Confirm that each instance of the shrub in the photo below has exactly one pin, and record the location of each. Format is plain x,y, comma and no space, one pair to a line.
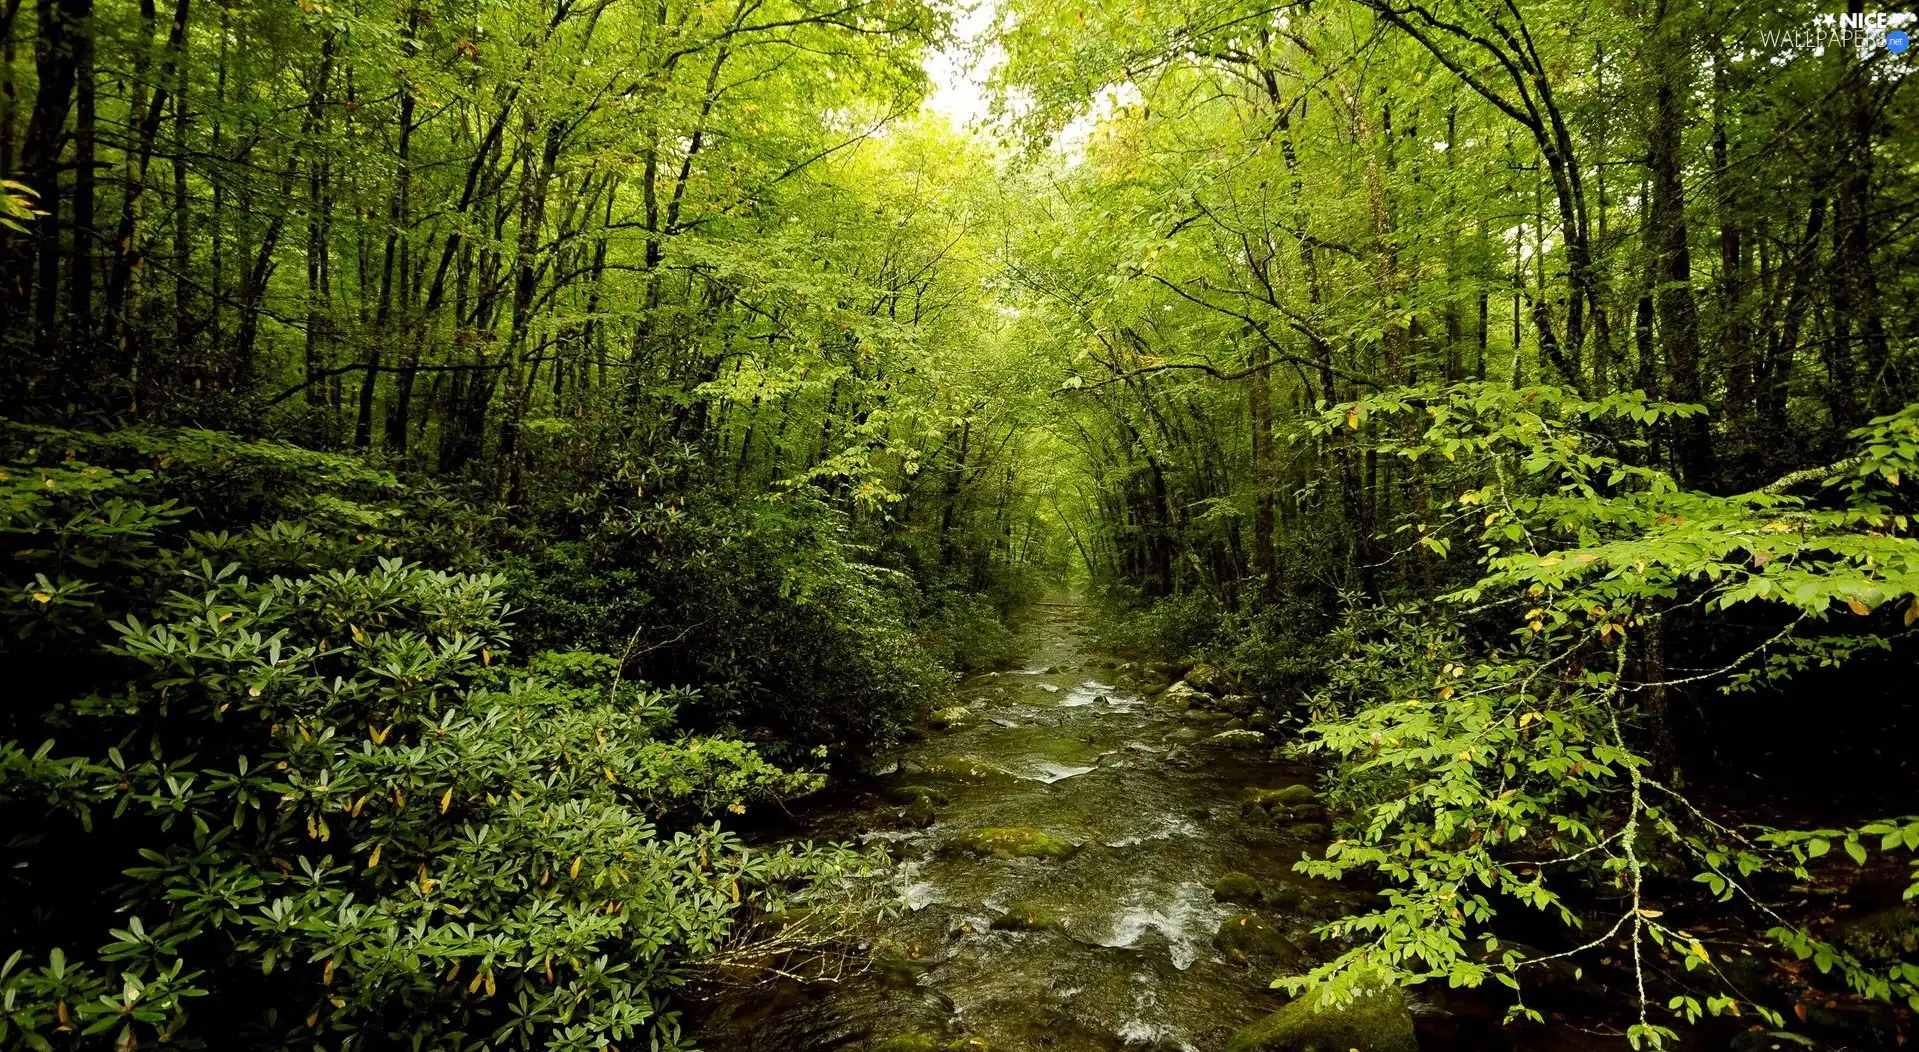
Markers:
326,808
795,640
1506,744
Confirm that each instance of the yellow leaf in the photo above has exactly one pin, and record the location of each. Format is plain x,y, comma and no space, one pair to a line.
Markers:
578,860
1551,560
1352,419
374,859
42,597
1858,607
446,801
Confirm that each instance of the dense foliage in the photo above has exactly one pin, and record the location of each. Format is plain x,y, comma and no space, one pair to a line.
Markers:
458,460
1512,394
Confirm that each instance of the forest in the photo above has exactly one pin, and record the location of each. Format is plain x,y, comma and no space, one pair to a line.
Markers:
907,526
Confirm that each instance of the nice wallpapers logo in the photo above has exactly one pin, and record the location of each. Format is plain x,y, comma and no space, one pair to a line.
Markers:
1865,31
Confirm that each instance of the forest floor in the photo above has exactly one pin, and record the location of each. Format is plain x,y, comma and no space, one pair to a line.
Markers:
1067,894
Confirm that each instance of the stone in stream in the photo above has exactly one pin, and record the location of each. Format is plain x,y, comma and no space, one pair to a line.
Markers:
1025,916
907,794
924,1043
919,814
1016,842
1236,887
1207,679
1884,936
1181,696
1246,937
963,768
1237,704
1375,1020
1238,737
1269,806
950,717
1313,831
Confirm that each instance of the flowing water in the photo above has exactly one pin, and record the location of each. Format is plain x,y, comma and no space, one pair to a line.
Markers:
1119,948
1118,944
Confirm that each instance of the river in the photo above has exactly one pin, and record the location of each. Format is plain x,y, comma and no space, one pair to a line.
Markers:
1114,937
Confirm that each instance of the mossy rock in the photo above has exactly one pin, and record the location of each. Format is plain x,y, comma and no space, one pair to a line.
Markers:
919,814
1181,696
1207,678
950,717
1016,842
1236,887
1288,897
1150,681
964,768
1313,831
1026,916
1237,704
897,969
924,1043
906,794
1374,1021
1883,937
1285,804
1246,937
1284,796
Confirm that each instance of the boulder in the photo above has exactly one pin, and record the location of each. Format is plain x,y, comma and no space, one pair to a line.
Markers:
1313,831
1238,737
1237,704
1284,897
963,768
1016,842
1025,916
924,1043
1207,679
1236,887
950,717
1884,936
1245,937
906,794
919,814
1284,804
1150,681
1375,1020
1181,696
